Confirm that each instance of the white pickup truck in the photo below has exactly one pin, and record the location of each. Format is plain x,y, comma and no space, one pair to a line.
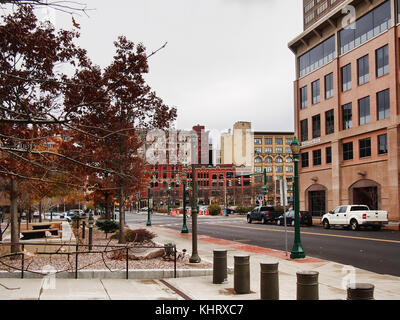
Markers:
354,216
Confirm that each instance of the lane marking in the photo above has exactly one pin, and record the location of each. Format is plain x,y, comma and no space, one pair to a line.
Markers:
310,233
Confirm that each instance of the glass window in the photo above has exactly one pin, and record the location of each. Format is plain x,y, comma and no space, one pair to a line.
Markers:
289,160
348,151
363,111
288,150
303,97
329,86
363,70
279,160
304,160
289,169
317,157
383,104
268,150
347,116
268,141
316,126
329,122
257,150
382,61
268,160
328,155
279,169
269,169
382,144
289,141
304,130
257,141
279,141
365,147
258,160
316,93
370,25
317,57
279,150
346,77
398,11
258,169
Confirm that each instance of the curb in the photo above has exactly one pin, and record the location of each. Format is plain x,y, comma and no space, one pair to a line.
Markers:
107,274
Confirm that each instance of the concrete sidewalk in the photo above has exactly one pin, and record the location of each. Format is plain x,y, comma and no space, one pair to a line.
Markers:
333,278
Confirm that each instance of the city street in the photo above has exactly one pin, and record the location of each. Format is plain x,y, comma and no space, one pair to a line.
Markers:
375,251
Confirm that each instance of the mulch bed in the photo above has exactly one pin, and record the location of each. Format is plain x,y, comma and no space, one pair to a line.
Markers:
101,258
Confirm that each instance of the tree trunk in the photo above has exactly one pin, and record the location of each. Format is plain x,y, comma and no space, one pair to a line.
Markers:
14,216
107,211
121,219
40,210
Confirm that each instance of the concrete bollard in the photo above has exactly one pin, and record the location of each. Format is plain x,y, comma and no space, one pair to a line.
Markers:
220,266
269,284
360,291
242,274
307,285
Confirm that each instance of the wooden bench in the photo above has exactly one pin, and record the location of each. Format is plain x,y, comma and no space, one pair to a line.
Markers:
41,226
38,234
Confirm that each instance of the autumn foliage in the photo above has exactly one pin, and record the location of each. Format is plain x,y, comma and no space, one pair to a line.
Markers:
79,130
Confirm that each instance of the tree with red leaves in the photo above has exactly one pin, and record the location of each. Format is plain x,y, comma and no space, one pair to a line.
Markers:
30,91
110,127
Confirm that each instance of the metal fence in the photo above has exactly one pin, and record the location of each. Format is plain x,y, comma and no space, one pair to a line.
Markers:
170,252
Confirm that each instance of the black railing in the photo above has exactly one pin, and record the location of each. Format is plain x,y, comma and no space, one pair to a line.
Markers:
170,250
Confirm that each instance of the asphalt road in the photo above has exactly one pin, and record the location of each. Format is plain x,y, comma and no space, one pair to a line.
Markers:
376,251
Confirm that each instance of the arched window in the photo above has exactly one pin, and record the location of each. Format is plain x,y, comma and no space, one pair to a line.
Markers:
268,160
279,160
258,160
289,160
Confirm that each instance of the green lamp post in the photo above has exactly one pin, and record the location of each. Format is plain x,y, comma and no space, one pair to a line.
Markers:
184,182
265,187
169,198
297,250
148,206
195,258
150,203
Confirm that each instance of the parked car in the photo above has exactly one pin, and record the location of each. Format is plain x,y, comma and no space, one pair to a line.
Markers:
305,218
354,216
54,215
71,213
264,214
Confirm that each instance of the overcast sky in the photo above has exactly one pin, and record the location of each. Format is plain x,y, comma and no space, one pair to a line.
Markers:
226,60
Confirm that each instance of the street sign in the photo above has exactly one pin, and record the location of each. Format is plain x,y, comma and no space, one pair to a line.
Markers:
260,197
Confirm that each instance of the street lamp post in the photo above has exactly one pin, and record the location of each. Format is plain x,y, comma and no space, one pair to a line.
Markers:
265,187
169,197
195,258
148,206
184,181
297,250
90,226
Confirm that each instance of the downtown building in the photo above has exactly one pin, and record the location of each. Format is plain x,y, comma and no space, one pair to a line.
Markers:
216,182
253,152
347,93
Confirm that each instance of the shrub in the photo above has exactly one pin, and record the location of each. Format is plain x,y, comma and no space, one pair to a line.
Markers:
243,210
139,235
107,226
214,210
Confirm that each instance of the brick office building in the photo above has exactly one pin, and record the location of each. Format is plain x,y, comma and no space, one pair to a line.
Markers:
214,184
347,107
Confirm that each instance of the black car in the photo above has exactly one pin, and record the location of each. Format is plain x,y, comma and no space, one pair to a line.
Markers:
264,214
305,218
